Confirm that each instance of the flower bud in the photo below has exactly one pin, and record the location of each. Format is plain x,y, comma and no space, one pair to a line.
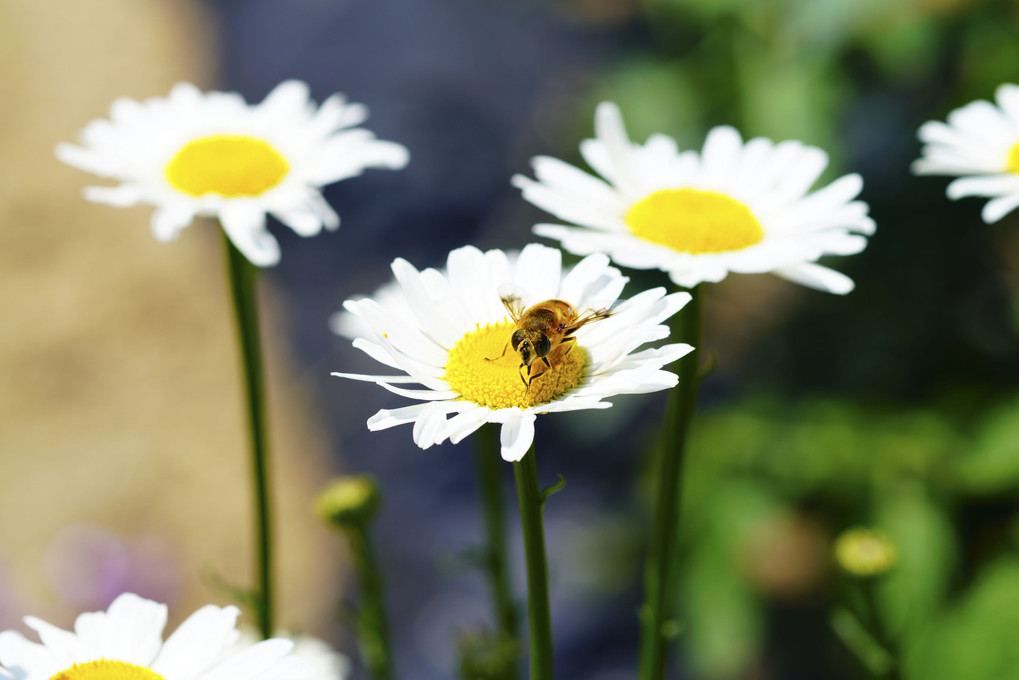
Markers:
349,501
865,552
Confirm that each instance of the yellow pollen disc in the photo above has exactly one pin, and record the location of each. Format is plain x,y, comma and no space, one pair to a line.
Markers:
1013,159
107,670
228,166
497,384
692,221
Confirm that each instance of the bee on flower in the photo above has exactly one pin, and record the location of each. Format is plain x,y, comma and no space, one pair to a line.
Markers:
459,335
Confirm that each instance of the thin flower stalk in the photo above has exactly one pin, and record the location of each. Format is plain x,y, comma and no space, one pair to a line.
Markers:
660,567
243,277
539,616
495,562
372,623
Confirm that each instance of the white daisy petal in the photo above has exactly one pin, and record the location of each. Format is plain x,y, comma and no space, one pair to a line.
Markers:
197,643
816,276
734,207
430,425
28,660
123,196
61,644
310,659
387,418
516,437
194,153
128,636
244,223
251,662
980,145
478,378
610,130
169,220
983,185
999,207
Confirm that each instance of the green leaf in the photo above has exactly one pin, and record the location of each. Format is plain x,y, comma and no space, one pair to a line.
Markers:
552,490
992,463
976,638
924,538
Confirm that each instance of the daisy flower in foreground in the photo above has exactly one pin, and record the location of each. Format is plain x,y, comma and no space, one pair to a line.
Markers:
126,643
980,145
212,154
735,207
450,332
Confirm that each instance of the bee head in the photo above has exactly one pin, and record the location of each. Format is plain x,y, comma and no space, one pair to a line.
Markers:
530,344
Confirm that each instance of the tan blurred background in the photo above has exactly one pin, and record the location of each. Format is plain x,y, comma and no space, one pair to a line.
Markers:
121,424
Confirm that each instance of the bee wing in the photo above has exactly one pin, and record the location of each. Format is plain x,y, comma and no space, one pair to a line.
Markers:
513,300
589,316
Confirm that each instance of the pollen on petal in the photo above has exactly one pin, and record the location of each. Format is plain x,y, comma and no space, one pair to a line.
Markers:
484,369
693,221
226,165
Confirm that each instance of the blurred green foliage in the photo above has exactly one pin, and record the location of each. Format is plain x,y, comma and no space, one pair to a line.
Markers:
909,472
922,439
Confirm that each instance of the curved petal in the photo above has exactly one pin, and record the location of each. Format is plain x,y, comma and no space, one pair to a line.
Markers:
244,222
198,643
815,276
516,436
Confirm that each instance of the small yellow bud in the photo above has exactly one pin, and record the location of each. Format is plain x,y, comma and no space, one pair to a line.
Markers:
865,552
349,501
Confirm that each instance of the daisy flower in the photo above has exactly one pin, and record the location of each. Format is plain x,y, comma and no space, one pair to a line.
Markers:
980,145
125,642
734,207
449,332
212,154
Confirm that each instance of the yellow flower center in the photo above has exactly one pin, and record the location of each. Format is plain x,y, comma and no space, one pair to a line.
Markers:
228,166
1013,159
692,221
497,383
107,670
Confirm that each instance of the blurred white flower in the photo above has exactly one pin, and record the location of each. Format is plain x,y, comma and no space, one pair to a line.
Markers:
734,207
980,145
125,642
212,154
449,331
310,659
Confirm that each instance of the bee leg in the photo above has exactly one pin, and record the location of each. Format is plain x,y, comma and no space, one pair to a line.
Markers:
545,359
572,341
505,347
527,383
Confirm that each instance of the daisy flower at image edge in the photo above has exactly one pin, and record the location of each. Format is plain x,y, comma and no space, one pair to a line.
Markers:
734,207
980,145
448,331
125,643
211,154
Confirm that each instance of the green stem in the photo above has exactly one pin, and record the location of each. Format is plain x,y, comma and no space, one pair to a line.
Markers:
243,279
659,568
538,613
373,627
487,456
875,623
